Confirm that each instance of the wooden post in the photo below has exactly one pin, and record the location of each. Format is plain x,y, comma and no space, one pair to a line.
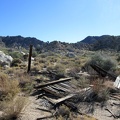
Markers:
29,59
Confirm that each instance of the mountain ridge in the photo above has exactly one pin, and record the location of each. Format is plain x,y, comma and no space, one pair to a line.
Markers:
89,43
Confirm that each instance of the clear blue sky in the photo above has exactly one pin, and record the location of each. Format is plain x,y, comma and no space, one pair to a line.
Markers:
62,20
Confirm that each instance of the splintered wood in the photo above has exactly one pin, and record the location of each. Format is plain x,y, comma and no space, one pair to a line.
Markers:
58,92
62,92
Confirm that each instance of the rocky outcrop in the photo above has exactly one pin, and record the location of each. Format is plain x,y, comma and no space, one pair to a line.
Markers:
5,59
70,55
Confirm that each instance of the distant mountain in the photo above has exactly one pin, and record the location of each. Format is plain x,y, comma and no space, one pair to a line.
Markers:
25,42
19,41
103,42
89,43
93,39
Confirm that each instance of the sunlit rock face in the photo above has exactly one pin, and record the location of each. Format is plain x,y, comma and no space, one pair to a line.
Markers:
5,59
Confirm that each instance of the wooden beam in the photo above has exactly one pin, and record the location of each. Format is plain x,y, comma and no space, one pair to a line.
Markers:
59,88
55,102
67,103
46,89
102,72
53,82
62,99
29,59
45,117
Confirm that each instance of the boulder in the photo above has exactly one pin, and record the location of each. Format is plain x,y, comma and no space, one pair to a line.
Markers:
5,59
71,54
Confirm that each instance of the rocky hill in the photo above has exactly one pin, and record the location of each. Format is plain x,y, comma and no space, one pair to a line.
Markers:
103,42
24,42
19,41
90,43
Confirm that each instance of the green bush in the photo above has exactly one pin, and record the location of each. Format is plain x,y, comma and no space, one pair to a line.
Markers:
16,62
16,54
34,54
105,63
118,58
58,69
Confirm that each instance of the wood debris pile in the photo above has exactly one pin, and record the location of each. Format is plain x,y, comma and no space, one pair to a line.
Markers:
60,92
56,93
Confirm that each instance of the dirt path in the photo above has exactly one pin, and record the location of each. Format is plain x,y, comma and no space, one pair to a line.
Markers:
32,111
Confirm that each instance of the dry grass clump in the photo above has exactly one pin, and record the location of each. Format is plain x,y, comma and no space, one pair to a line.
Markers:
83,82
63,112
43,78
25,81
73,72
13,109
36,68
16,62
8,88
59,69
100,90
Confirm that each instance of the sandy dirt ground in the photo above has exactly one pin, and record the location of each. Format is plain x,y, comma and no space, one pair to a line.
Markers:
32,111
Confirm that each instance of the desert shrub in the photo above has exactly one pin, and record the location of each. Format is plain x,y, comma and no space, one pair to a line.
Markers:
13,109
59,69
97,85
73,72
42,60
16,55
105,63
63,112
25,82
108,65
118,58
52,59
9,88
16,62
27,88
37,67
102,93
34,54
43,78
83,82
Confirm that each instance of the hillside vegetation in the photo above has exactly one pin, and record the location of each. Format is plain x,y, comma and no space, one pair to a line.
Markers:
21,94
89,43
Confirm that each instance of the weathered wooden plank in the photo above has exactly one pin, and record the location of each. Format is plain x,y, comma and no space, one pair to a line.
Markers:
59,88
102,72
47,89
45,110
69,104
42,118
53,82
65,85
116,97
29,60
53,101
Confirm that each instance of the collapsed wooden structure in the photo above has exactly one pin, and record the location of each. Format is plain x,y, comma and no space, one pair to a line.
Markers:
102,72
58,92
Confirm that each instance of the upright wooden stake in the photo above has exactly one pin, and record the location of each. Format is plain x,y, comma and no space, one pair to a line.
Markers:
29,59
